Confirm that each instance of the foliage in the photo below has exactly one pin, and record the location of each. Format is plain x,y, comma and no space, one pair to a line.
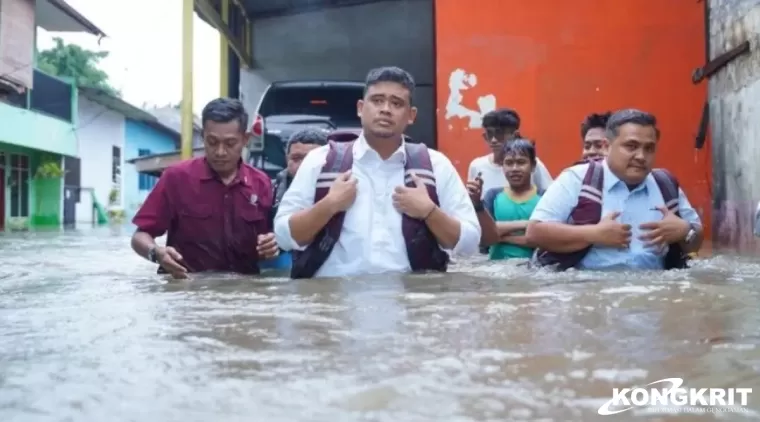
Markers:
81,65
113,196
49,169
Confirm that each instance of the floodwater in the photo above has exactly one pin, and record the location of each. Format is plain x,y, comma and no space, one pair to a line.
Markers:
88,332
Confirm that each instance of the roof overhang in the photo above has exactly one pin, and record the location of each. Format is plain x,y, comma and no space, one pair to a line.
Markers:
58,16
155,164
262,9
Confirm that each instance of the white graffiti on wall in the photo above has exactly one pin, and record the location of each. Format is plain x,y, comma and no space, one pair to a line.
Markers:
461,81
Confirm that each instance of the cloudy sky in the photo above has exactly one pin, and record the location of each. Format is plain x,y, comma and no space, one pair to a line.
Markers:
145,42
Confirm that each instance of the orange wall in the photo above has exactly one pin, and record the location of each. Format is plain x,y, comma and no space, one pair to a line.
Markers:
555,62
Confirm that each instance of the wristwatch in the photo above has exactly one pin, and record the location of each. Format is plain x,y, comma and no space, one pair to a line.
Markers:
479,206
690,235
152,255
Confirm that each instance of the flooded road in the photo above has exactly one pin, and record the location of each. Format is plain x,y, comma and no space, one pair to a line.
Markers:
88,332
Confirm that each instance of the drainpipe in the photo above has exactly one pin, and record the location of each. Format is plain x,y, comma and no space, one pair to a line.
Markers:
224,53
187,78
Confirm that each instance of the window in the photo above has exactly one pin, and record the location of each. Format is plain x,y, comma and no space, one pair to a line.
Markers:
145,181
19,185
337,103
116,166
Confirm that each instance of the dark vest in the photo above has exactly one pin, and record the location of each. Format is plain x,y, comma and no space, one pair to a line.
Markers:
421,246
589,211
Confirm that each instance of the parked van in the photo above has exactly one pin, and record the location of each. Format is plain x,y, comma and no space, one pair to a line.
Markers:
286,107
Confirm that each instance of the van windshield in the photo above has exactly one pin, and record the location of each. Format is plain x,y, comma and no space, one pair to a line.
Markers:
336,103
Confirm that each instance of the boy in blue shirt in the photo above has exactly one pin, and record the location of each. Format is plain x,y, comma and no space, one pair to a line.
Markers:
504,212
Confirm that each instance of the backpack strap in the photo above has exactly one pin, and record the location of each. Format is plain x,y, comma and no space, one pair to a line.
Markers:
306,263
593,182
418,162
669,188
590,196
339,160
421,245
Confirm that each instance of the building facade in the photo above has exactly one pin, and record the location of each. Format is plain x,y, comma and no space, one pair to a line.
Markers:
142,139
42,109
111,132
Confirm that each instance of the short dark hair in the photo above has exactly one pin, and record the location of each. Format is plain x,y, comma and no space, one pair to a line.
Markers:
505,118
630,115
390,74
594,121
309,136
521,146
223,110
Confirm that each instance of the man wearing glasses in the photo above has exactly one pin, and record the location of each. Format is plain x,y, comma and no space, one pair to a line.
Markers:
500,126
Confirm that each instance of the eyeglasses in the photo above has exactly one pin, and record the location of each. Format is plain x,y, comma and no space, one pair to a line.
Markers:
498,134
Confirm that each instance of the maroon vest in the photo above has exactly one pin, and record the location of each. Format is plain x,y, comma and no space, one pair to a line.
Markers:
589,211
421,246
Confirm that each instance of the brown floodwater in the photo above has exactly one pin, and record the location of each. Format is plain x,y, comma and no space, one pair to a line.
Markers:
88,332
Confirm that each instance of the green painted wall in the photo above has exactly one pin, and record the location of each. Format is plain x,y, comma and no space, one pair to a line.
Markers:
44,194
37,131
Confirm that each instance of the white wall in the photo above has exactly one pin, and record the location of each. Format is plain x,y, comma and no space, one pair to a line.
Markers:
98,130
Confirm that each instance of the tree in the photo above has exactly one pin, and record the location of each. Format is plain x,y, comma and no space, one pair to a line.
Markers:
80,64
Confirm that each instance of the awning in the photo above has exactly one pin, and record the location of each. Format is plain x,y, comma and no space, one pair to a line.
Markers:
58,16
155,164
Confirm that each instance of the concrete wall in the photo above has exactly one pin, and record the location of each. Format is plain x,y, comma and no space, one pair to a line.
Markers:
344,43
139,136
734,94
99,130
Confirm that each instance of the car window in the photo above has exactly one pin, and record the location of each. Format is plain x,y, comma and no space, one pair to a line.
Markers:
337,103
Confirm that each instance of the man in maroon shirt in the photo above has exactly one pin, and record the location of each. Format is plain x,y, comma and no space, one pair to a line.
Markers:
214,209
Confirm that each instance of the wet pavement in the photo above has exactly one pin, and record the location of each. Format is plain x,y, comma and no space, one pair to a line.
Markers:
88,332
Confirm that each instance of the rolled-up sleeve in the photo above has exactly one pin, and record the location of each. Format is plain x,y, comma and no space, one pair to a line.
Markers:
298,197
686,211
156,213
557,203
455,202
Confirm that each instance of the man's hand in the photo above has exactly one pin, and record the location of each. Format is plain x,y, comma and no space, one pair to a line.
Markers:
169,259
475,190
414,202
342,193
267,246
612,233
671,229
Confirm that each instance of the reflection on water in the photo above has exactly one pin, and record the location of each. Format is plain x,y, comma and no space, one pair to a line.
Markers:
89,333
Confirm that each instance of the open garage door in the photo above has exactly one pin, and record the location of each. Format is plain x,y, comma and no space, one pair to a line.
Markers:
343,43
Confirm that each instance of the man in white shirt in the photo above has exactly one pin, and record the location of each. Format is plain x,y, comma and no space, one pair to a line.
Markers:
386,213
500,126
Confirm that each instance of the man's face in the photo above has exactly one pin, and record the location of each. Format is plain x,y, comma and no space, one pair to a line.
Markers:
386,110
595,144
296,155
496,138
223,143
631,153
517,169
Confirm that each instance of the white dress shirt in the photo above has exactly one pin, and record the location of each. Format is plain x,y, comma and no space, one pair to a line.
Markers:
372,240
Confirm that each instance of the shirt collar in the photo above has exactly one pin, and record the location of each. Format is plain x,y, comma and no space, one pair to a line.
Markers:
207,173
611,181
361,148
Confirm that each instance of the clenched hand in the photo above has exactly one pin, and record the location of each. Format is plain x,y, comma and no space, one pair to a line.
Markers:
671,229
612,233
475,190
267,246
415,201
342,192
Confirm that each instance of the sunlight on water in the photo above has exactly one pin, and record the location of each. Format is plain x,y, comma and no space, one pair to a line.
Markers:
90,333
